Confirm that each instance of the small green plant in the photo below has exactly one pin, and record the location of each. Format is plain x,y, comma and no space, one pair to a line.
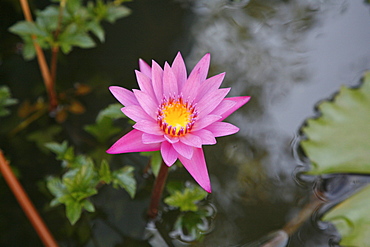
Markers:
193,220
185,198
68,25
62,27
84,174
82,179
103,127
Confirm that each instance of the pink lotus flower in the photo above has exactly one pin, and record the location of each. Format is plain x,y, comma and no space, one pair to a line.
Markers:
177,114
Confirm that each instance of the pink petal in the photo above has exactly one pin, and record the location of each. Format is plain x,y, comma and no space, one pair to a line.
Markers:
131,142
169,154
223,107
124,96
157,80
209,85
145,68
191,87
197,168
136,113
145,84
171,139
222,129
205,121
211,100
191,140
169,82
202,67
179,69
206,136
240,101
147,103
149,127
149,138
183,149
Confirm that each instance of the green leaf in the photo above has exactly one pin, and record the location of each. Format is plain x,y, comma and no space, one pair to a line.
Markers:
47,20
81,39
339,140
82,180
5,100
113,111
116,12
73,5
97,30
351,219
73,210
104,172
102,130
124,178
73,36
59,149
41,137
76,186
88,206
100,10
26,28
62,151
186,199
66,48
173,186
56,188
28,50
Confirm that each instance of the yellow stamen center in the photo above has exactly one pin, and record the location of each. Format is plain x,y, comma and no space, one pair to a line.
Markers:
175,117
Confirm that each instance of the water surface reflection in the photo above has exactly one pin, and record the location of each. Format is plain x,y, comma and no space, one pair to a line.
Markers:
287,55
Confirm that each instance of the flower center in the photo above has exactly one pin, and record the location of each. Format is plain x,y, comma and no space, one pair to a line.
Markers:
175,117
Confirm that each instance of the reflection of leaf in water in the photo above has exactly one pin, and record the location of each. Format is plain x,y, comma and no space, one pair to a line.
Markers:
351,218
339,140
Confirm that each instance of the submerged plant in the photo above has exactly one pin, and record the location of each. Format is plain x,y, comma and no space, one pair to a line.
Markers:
177,114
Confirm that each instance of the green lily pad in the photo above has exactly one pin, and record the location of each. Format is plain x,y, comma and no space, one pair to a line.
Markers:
351,218
338,141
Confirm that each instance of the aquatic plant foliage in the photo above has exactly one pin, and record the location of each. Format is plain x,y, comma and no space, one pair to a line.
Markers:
338,141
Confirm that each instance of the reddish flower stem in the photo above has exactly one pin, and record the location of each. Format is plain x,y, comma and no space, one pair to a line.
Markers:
54,60
26,204
55,48
157,191
293,225
45,72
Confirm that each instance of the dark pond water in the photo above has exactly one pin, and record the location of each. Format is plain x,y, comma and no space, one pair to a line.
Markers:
287,55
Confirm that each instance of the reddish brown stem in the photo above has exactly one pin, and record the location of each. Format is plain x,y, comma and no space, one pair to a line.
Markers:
55,48
45,72
292,226
26,204
157,191
54,60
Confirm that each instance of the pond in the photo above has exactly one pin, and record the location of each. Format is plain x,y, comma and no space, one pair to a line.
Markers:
286,55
